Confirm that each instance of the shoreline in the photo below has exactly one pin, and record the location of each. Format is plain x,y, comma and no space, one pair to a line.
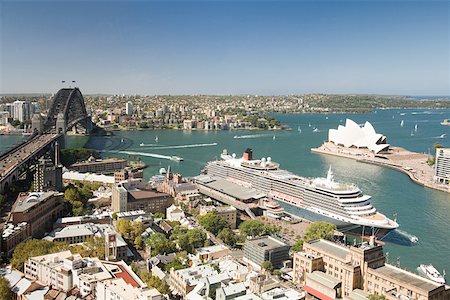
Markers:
398,164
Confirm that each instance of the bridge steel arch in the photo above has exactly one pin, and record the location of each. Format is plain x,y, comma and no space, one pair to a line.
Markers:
68,110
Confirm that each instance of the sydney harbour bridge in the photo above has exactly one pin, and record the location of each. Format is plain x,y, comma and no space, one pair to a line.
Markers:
67,112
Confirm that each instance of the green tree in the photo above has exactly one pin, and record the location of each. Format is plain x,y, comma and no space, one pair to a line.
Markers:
114,216
320,230
212,222
193,239
159,216
255,228
159,244
5,289
124,227
32,248
267,265
160,285
298,246
228,237
376,297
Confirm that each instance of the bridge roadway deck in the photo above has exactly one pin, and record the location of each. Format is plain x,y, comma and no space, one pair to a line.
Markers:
10,161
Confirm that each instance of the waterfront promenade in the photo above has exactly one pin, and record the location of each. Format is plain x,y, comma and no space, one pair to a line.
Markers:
411,163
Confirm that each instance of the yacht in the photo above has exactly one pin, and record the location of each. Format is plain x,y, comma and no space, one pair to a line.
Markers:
432,273
315,130
142,144
316,199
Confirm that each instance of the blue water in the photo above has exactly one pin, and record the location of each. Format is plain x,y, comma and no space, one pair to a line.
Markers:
420,211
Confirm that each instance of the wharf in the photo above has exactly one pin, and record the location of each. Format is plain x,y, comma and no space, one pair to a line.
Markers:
411,163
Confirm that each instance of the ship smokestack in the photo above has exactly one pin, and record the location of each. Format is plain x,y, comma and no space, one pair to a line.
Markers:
248,154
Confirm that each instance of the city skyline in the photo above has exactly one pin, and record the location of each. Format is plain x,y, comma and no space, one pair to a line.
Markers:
242,47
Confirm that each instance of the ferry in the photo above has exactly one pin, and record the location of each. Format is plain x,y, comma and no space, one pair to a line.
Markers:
315,199
432,273
176,158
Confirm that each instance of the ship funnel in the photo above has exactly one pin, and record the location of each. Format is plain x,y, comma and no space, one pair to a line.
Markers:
248,154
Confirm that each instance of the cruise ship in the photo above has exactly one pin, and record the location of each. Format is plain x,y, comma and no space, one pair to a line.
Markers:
315,199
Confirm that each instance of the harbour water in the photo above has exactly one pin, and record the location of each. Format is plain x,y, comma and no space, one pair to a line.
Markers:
420,211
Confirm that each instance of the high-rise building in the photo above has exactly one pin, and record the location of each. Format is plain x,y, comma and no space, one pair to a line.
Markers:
4,115
442,165
22,110
129,108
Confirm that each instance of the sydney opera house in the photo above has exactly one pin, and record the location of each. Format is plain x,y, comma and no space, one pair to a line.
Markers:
353,136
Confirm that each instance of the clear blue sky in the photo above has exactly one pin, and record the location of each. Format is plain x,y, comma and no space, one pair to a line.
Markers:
222,47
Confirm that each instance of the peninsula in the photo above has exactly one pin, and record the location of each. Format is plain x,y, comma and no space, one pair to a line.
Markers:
363,144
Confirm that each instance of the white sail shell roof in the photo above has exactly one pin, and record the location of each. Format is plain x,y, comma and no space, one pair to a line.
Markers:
352,135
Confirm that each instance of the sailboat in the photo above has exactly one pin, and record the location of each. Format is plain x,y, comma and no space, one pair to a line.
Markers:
415,128
156,139
299,129
309,124
402,123
412,132
274,138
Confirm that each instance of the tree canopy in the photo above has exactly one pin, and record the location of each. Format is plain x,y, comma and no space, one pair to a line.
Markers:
212,222
320,230
256,228
228,237
194,238
5,289
159,244
32,248
298,246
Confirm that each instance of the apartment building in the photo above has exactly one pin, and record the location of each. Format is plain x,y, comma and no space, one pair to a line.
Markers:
39,209
360,267
102,166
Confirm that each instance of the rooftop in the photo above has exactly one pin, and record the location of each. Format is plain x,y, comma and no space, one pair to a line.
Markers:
212,249
235,190
99,161
87,229
266,242
26,201
145,194
324,279
407,278
331,248
234,289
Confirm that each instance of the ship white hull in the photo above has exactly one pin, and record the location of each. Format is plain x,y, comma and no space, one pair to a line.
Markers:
342,224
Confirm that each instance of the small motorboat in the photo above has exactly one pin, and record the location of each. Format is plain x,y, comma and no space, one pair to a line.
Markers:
142,144
315,130
432,273
414,239
176,158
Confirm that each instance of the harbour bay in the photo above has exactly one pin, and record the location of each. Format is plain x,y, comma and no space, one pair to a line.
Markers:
420,211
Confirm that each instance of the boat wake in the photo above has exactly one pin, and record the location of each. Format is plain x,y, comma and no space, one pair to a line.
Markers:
400,237
180,146
251,136
442,136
